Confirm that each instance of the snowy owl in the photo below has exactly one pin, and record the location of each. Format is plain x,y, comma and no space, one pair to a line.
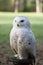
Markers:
22,39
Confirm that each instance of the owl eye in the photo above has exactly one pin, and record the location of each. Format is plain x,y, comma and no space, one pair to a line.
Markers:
22,21
15,20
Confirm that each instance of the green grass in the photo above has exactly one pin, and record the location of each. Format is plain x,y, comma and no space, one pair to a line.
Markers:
6,19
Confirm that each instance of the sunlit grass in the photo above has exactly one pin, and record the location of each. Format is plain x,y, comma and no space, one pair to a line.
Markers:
6,19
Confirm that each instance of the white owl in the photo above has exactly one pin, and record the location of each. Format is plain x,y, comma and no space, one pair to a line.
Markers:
22,39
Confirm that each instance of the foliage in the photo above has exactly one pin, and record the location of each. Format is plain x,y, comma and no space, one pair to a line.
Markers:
42,7
31,8
8,5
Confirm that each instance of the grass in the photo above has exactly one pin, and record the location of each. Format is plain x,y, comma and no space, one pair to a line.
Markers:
6,19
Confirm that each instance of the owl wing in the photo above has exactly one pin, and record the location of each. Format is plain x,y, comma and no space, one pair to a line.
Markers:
13,41
32,42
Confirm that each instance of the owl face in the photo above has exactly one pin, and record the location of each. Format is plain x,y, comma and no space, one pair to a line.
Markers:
21,21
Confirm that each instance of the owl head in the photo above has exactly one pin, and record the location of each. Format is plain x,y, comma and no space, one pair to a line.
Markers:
21,21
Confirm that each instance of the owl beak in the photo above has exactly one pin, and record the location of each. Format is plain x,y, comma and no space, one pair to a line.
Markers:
18,25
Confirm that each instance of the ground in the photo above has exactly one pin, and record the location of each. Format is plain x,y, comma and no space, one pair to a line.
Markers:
40,54
6,52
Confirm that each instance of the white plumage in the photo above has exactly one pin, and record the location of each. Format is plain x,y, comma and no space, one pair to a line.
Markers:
22,39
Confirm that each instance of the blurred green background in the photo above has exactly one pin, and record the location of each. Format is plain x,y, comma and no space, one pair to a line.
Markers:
6,20
21,5
32,9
